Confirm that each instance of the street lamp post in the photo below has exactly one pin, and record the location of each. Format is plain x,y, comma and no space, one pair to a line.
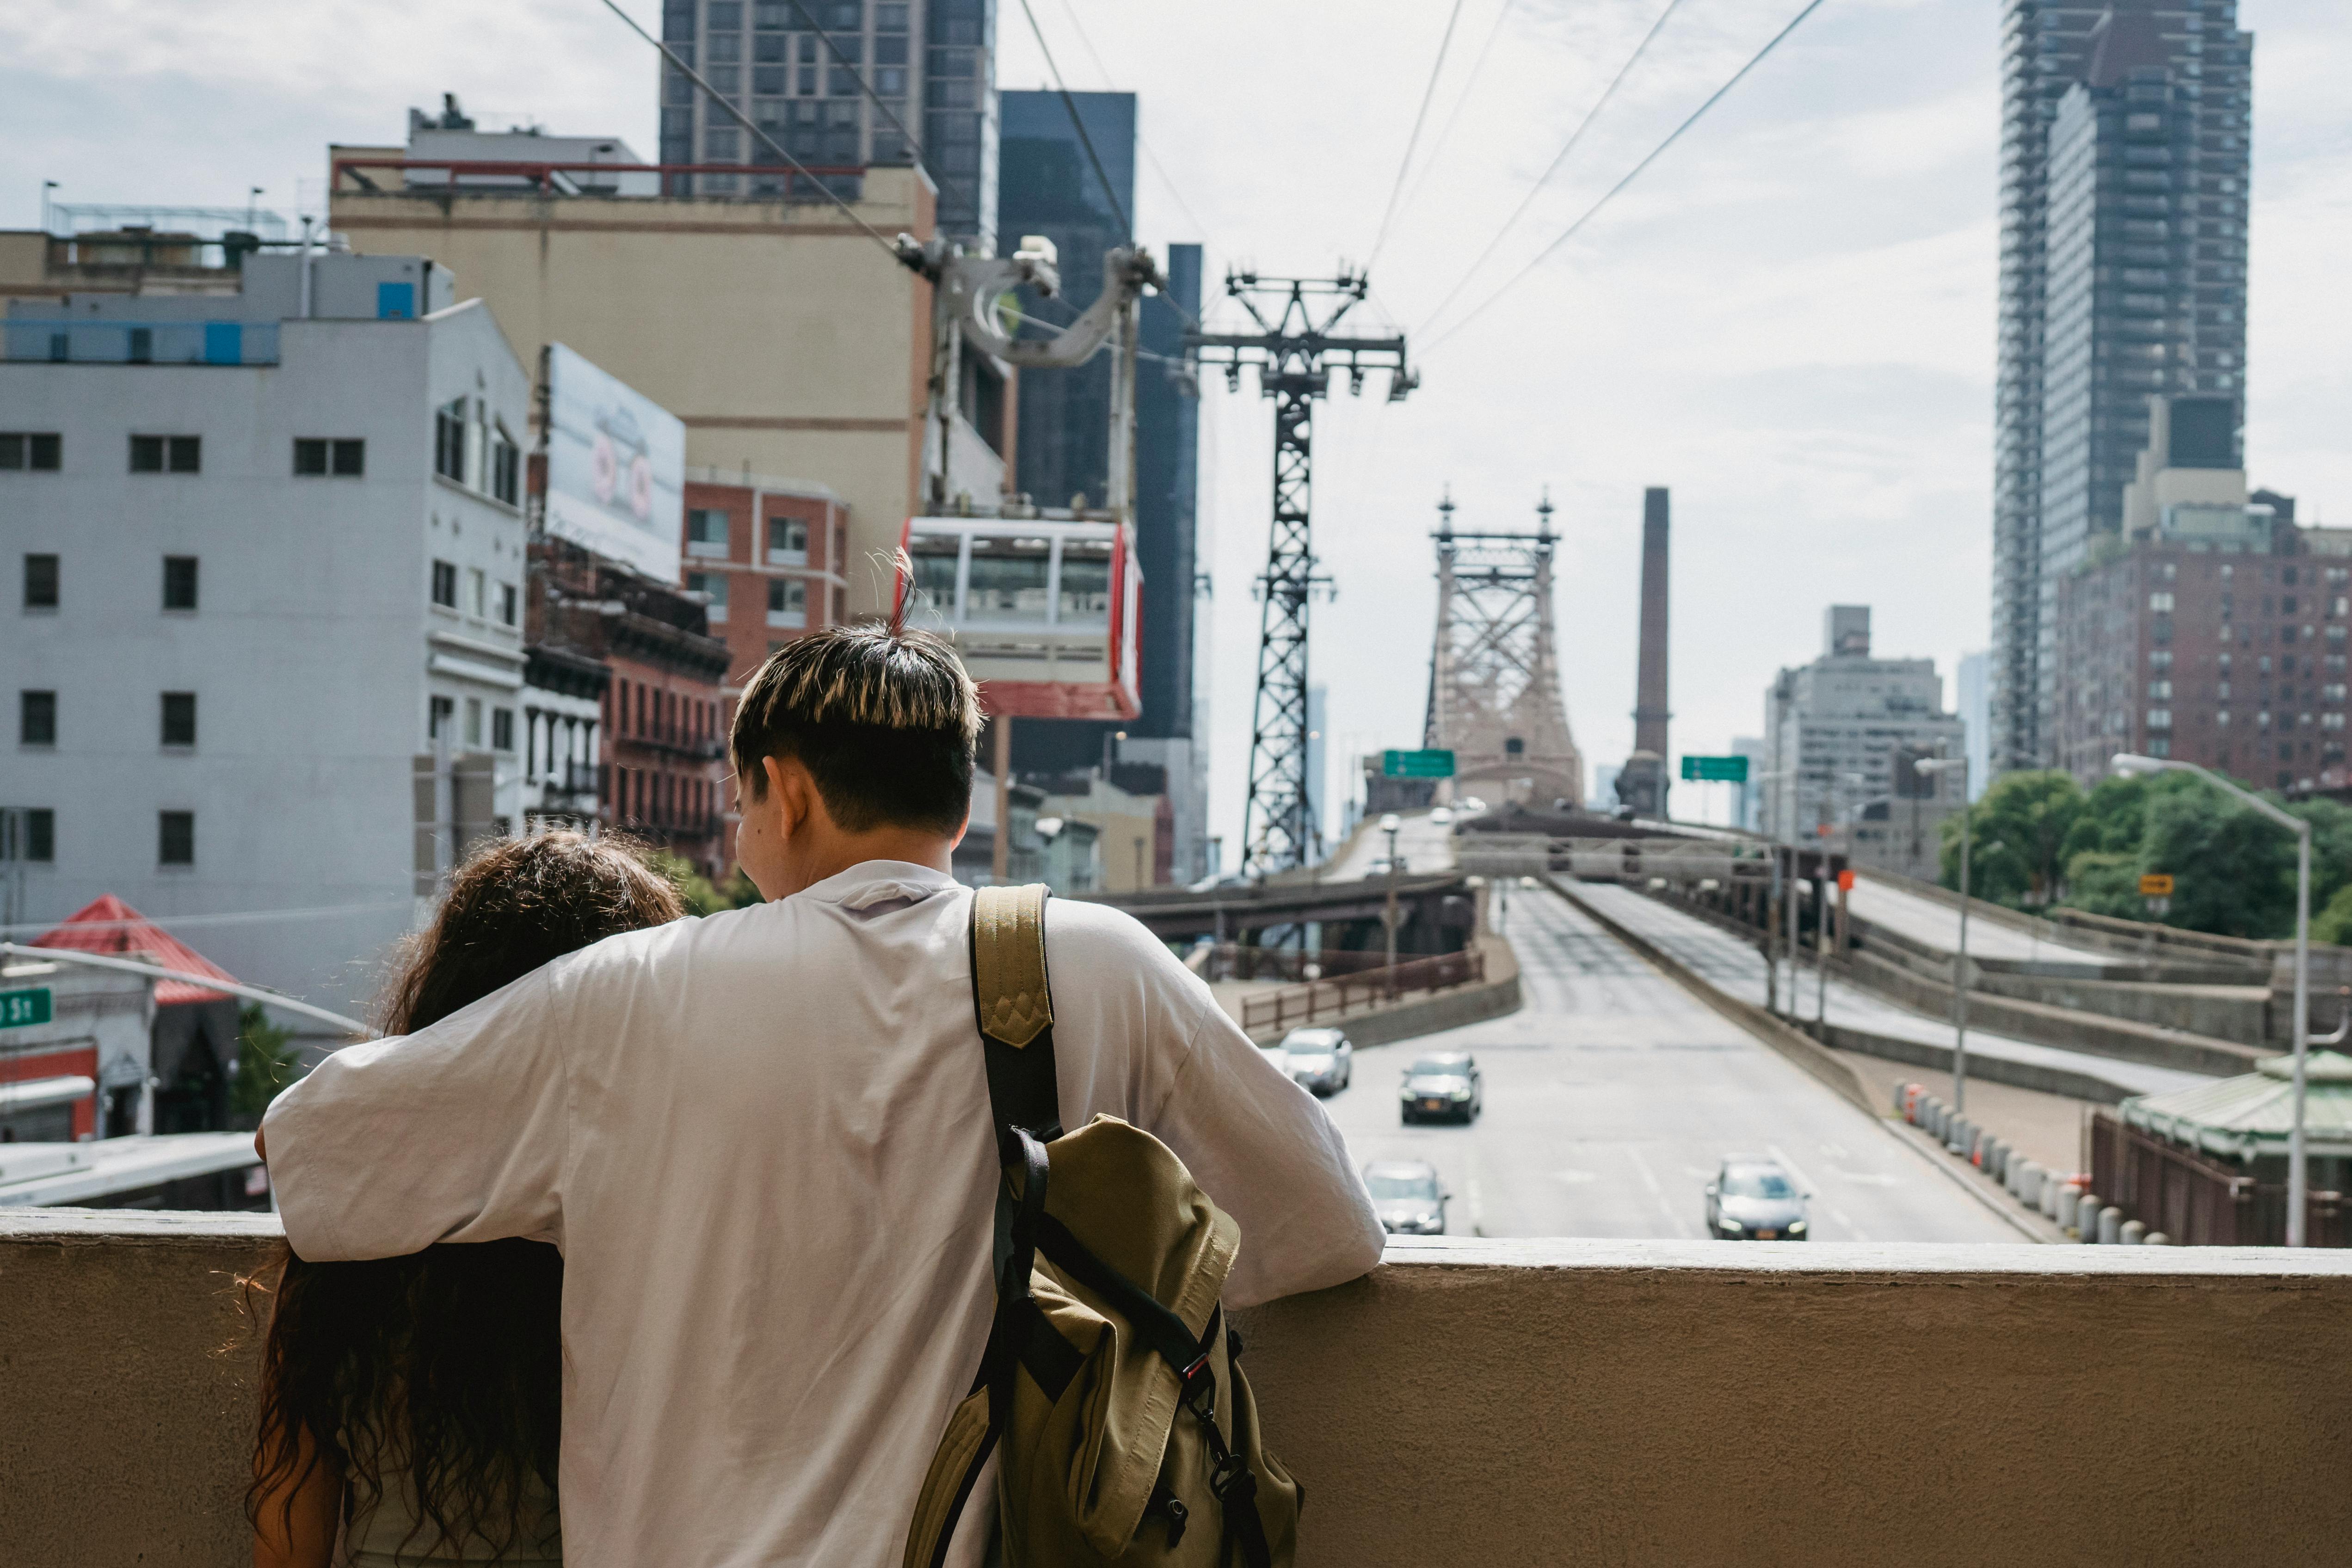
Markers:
1389,823
1959,765
1771,952
2299,1165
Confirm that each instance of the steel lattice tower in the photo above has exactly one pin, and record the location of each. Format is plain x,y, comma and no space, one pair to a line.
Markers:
1294,351
1494,687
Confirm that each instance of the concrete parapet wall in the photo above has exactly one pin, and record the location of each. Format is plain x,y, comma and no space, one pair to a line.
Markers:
1471,1402
2046,1025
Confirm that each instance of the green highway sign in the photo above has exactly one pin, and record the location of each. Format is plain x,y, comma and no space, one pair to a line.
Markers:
18,1008
1417,763
1716,769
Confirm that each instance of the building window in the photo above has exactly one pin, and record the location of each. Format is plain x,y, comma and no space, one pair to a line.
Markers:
2159,719
506,469
318,457
37,718
2160,690
787,602
502,729
477,593
27,450
449,441
787,540
179,582
706,531
714,585
175,838
2160,602
40,582
508,602
179,719
29,833
167,455
437,715
474,721
444,584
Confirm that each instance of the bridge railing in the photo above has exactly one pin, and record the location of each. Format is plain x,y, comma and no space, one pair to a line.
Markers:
1323,1001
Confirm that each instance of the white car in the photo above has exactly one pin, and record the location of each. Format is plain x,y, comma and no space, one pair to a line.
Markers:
1322,1061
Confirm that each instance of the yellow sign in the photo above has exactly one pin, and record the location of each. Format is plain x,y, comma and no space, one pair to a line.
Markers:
2156,885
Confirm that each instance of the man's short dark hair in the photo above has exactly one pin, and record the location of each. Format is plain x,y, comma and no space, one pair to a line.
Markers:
884,721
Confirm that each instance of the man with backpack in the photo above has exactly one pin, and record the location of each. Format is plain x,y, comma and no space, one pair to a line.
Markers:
771,1144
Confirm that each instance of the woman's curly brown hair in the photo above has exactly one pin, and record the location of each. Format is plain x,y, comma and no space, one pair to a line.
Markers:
447,1363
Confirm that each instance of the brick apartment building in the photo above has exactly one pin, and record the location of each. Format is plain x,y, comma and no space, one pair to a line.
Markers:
663,724
2234,661
769,555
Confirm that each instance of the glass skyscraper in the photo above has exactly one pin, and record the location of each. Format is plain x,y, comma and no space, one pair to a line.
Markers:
795,66
2123,274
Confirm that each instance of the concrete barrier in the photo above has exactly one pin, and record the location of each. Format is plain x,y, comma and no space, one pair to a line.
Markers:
2111,1225
2133,1234
1472,1402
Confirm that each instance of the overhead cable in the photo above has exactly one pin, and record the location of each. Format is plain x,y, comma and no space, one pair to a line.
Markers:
1126,230
1569,232
1553,168
1437,69
1454,115
913,145
744,121
1141,141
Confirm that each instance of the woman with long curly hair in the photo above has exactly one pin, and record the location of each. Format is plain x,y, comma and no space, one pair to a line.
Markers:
410,1406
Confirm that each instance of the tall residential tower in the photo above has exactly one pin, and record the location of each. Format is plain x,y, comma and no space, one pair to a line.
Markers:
2123,274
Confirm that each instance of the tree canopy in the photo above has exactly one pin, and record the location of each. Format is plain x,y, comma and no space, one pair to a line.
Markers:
2041,838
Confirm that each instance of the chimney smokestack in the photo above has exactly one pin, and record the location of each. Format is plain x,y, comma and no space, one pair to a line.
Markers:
1642,785
1650,713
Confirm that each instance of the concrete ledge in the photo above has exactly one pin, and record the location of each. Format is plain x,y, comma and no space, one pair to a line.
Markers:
2049,1079
1471,1402
1797,1047
1484,1402
2045,1025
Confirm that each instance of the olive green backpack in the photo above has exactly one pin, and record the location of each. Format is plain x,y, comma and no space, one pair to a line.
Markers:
1111,1382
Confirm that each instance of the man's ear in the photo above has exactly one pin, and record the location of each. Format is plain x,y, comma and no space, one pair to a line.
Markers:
798,799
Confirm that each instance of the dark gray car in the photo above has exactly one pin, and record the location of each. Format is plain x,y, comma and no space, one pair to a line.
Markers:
1408,1196
1444,1085
1754,1199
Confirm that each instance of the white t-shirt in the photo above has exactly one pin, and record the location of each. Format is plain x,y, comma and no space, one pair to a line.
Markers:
763,1141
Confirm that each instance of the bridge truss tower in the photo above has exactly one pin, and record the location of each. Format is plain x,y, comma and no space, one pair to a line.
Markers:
1494,688
1295,350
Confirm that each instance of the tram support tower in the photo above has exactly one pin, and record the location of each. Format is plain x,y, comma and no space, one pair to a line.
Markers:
1295,350
1494,686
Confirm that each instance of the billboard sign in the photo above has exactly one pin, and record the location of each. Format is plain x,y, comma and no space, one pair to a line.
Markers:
616,467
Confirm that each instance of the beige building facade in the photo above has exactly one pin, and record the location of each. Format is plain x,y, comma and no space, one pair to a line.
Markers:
788,340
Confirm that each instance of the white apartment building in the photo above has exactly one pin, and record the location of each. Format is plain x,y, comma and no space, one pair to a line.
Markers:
1834,729
264,571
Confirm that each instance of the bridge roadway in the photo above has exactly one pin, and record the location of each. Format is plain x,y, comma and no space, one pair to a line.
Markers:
1611,1096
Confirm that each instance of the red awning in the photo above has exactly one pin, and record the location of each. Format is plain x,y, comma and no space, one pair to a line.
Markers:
107,924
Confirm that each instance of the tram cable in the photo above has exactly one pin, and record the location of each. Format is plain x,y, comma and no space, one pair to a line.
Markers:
1454,115
1420,116
914,144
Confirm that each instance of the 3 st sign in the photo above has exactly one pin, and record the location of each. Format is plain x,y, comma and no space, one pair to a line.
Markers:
19,1009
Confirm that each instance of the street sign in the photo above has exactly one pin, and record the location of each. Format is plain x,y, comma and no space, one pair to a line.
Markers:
20,1009
2156,885
1716,769
1416,765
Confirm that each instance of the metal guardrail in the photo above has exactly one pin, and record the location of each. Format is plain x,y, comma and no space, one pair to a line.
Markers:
1240,961
1338,998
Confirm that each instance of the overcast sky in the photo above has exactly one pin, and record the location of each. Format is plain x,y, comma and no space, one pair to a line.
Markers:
1787,320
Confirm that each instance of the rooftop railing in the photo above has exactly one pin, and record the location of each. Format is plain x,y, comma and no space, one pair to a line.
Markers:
765,179
1471,1402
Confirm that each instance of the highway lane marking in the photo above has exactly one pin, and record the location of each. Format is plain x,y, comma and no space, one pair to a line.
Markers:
1650,1180
1865,1178
1572,1177
1845,1222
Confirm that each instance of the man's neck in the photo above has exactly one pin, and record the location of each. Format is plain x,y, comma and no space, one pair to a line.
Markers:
837,853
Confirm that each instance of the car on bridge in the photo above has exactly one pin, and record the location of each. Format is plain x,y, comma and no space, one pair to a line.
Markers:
1320,1059
1443,1085
1407,1195
1753,1199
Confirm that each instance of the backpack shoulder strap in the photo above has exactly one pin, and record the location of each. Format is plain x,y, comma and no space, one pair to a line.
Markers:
1012,1003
